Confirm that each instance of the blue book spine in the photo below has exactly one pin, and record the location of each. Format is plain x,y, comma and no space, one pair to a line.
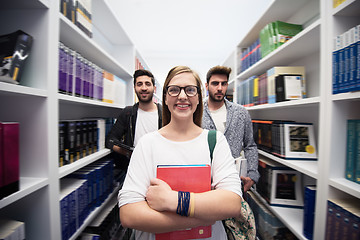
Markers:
357,46
350,150
335,62
353,63
64,218
72,213
346,61
309,211
341,64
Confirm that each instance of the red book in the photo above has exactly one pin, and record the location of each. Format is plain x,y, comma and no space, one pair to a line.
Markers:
186,178
9,158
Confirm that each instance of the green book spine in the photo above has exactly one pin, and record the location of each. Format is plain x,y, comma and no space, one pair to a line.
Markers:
357,154
350,150
285,31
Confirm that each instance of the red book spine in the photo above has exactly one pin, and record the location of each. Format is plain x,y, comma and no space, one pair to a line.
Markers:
9,158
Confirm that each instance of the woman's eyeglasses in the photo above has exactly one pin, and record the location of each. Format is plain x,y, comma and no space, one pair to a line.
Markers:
174,90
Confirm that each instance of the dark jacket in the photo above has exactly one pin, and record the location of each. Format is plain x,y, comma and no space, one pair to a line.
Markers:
124,131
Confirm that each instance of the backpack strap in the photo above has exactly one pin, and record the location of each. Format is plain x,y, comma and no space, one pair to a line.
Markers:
211,142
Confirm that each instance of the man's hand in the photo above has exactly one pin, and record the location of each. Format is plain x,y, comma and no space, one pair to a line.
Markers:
247,182
161,197
122,151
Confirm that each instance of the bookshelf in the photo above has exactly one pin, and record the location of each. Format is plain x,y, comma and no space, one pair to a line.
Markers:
328,112
38,106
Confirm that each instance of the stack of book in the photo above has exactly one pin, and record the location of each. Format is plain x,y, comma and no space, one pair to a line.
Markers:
346,73
80,138
343,219
275,34
78,76
78,12
12,229
9,158
352,167
285,139
249,56
277,84
83,191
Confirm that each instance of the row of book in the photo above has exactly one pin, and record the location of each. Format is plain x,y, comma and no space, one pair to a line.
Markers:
249,56
279,185
12,230
14,51
352,167
268,226
9,158
81,192
80,77
79,12
343,219
277,84
80,138
346,61
285,139
275,34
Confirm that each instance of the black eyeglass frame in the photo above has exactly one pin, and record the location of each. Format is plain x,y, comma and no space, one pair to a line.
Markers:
197,90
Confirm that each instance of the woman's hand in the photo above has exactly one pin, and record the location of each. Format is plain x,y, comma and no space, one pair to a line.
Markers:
161,197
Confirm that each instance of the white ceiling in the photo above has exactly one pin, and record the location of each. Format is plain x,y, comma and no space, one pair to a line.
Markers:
196,33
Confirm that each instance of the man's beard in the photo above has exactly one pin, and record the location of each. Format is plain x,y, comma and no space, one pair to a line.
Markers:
215,99
146,100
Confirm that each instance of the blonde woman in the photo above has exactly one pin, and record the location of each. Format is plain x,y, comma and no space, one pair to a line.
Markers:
148,204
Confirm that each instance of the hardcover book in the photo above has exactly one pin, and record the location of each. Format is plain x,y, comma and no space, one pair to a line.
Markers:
350,166
288,87
9,158
309,211
299,139
14,51
191,178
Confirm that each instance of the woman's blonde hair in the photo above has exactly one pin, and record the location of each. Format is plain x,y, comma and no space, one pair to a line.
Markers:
166,115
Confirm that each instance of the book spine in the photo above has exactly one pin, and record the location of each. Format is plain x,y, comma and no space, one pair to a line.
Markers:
64,215
62,70
10,157
61,144
2,160
78,75
335,60
341,64
346,61
352,60
357,152
330,218
70,71
350,152
357,53
309,211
